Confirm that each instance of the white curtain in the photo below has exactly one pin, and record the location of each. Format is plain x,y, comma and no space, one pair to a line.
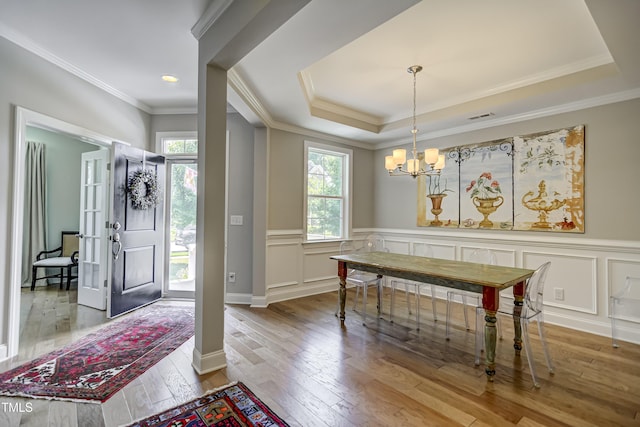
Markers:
34,238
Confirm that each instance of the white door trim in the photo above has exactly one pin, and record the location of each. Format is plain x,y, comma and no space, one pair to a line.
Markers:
24,118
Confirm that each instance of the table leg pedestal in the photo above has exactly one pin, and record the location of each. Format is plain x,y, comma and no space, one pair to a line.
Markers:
342,274
517,327
518,298
490,303
490,333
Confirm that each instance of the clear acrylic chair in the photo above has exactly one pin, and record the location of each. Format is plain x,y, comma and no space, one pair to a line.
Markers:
531,310
624,304
480,256
423,250
362,280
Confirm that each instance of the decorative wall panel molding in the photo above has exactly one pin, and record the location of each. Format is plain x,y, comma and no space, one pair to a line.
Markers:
584,270
571,281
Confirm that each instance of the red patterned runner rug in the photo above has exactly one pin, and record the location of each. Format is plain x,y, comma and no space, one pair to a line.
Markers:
231,406
98,365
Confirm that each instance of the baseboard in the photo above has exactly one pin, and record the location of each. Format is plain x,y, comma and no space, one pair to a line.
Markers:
3,352
259,302
234,298
293,292
204,364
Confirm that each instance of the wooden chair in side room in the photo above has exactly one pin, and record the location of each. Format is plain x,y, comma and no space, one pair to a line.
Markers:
64,258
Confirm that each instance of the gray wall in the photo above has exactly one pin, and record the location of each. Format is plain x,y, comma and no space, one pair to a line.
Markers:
172,123
62,160
286,182
240,237
612,151
33,83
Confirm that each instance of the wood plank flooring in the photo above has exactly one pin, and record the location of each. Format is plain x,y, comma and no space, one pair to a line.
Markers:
295,356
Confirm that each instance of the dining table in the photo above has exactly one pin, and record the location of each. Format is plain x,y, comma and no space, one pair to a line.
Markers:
485,279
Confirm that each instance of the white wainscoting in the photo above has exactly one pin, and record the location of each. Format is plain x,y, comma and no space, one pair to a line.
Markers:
584,271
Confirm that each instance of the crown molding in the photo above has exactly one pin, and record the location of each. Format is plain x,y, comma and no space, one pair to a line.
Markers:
325,109
598,101
37,50
244,92
171,110
209,17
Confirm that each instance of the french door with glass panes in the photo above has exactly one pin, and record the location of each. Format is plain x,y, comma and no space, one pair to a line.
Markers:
182,200
93,261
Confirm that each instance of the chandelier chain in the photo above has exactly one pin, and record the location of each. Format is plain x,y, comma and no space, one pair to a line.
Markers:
414,71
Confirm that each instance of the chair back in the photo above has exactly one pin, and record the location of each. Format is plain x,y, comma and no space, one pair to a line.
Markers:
373,243
533,297
423,249
70,243
631,289
626,302
483,256
347,247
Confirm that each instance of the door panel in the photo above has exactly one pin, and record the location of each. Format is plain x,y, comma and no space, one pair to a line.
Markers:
136,234
92,261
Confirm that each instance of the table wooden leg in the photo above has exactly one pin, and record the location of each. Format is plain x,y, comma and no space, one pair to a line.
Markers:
380,288
342,274
518,298
490,303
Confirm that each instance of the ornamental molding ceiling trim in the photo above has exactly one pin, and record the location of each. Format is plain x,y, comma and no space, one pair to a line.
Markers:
326,109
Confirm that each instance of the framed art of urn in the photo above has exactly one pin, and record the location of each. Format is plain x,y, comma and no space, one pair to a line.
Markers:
531,182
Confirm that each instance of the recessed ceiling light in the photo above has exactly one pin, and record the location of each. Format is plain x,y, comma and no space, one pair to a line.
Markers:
169,78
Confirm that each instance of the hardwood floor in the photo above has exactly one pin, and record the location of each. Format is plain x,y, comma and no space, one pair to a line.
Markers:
295,356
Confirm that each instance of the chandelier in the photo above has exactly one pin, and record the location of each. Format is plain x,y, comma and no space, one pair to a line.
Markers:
434,162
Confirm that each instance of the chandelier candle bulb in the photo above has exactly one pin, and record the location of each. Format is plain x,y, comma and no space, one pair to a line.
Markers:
399,156
431,156
389,164
413,165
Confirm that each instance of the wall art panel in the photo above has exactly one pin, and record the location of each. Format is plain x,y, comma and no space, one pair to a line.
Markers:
438,196
549,180
486,185
530,182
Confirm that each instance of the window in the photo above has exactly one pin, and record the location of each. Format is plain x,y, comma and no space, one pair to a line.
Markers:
181,152
327,192
179,146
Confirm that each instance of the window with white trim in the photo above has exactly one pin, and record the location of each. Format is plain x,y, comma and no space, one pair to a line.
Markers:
181,153
327,191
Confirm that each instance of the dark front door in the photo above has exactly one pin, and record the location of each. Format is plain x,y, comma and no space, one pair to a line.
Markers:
136,229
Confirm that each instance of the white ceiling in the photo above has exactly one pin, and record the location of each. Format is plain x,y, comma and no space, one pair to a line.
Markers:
123,46
339,67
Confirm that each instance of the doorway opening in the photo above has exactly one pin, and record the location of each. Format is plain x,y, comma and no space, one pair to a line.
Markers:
24,119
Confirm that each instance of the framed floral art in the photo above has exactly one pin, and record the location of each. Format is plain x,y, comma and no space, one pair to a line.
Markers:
532,182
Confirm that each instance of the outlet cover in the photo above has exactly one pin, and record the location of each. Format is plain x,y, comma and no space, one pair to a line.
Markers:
558,294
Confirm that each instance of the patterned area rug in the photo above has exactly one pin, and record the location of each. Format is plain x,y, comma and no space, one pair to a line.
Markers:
232,406
98,365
